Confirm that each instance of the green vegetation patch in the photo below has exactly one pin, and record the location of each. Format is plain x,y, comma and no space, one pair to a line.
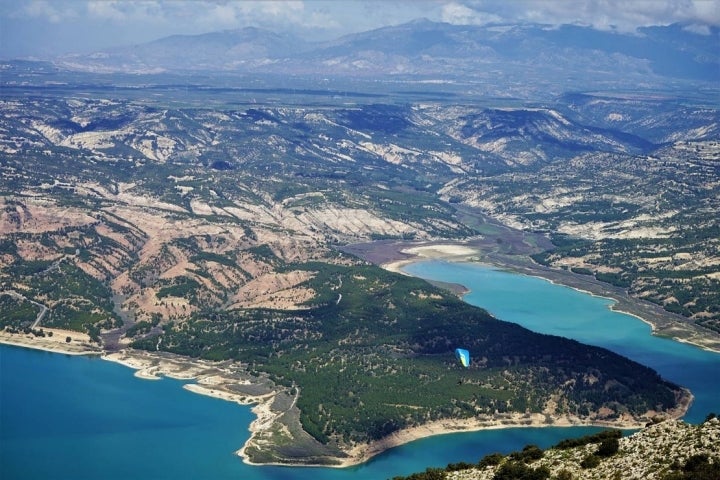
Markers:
183,287
373,353
17,312
76,300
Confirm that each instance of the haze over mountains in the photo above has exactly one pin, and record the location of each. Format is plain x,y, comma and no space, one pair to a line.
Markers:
574,55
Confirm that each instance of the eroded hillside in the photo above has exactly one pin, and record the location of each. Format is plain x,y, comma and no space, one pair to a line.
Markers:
212,232
175,208
177,211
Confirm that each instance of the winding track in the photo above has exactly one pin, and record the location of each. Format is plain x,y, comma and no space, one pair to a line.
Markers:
43,308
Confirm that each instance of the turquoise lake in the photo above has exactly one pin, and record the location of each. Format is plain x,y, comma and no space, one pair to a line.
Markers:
545,307
64,417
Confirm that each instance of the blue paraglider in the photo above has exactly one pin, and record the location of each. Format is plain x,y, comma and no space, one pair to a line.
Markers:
464,356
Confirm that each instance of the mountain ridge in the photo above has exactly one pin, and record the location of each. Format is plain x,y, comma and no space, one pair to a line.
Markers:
422,47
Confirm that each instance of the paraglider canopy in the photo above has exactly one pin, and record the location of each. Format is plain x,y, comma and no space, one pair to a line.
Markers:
464,356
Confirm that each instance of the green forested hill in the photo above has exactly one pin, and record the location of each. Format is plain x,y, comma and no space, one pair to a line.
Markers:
374,354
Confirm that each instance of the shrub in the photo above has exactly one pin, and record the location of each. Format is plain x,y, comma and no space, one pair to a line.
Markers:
591,461
564,475
608,447
490,460
519,471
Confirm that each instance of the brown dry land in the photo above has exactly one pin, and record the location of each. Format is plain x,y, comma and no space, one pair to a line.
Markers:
79,344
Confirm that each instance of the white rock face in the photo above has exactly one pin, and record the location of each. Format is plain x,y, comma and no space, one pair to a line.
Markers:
648,454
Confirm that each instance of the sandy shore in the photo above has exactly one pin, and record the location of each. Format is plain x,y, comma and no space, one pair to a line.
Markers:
220,381
152,366
360,454
363,453
264,414
454,253
80,343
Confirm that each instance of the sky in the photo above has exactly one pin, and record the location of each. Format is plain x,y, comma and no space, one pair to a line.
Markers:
46,28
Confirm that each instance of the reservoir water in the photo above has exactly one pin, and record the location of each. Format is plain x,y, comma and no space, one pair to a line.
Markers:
545,307
64,417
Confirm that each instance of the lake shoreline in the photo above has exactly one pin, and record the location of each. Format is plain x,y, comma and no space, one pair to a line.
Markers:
222,380
79,344
209,382
362,454
662,323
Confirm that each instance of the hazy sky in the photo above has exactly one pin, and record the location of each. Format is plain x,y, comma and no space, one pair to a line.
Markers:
48,27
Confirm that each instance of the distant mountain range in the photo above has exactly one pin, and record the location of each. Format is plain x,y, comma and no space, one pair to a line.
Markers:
529,53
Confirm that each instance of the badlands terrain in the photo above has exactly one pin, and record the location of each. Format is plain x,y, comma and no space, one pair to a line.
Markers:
230,224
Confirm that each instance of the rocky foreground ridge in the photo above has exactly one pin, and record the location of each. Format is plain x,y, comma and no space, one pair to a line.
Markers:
667,450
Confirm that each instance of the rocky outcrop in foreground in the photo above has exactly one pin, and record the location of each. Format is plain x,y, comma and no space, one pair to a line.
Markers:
668,450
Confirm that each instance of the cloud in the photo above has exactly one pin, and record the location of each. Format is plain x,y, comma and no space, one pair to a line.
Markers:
30,26
704,12
190,15
201,11
458,14
54,12
698,29
621,15
107,10
182,13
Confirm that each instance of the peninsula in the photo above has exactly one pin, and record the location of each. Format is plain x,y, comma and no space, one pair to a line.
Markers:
347,367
